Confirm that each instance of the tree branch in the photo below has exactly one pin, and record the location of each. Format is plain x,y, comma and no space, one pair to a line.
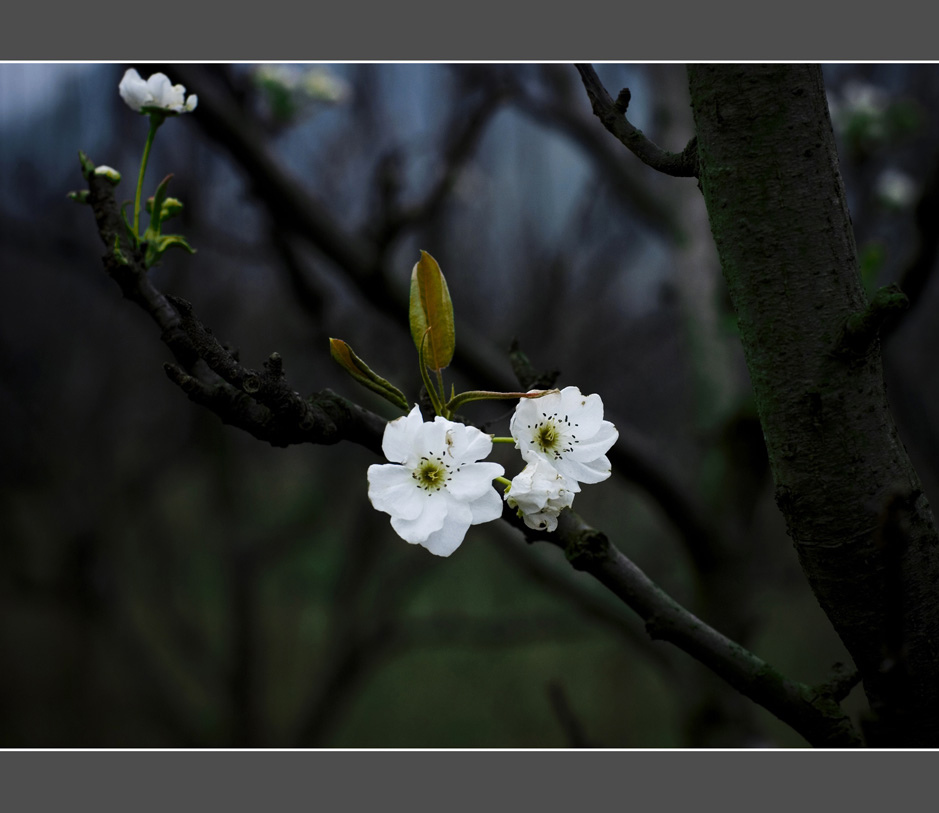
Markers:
613,116
812,712
260,402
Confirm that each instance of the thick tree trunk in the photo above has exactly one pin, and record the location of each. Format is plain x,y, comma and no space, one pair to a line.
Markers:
853,504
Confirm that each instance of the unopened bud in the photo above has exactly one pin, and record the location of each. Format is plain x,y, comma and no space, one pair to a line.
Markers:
110,173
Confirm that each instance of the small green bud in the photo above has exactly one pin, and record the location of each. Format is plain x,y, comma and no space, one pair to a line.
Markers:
88,166
344,356
108,172
171,207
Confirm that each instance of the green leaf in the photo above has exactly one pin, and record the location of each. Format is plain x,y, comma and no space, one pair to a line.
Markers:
431,313
160,244
156,210
88,166
118,254
361,372
130,229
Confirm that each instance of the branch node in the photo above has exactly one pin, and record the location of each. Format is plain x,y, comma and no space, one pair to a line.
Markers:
275,366
862,329
840,684
586,548
611,113
622,101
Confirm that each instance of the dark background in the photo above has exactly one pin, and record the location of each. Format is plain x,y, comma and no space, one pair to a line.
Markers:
166,580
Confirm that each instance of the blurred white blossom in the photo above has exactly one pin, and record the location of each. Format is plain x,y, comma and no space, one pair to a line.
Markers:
291,89
156,94
895,189
859,111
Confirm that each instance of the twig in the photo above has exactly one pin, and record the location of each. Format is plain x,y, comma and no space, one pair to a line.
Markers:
862,329
816,716
561,115
613,116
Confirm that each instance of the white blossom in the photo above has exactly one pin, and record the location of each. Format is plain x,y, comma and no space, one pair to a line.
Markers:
864,98
156,94
567,430
895,189
434,488
540,493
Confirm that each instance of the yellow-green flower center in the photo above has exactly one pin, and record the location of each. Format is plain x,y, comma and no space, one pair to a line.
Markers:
431,474
553,436
546,436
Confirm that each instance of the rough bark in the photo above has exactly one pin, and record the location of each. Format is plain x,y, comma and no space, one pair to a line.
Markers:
853,504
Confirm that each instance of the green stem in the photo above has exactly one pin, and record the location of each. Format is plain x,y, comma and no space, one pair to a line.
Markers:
486,395
155,122
502,440
503,481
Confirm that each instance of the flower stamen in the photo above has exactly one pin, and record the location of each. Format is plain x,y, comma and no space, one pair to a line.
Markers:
432,474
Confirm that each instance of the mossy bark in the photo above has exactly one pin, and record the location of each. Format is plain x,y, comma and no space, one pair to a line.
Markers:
853,504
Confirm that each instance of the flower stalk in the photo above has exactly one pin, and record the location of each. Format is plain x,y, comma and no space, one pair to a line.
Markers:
155,121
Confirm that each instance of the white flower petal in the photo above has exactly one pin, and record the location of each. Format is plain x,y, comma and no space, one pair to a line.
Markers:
486,508
391,489
400,437
526,414
592,471
160,89
472,480
467,442
460,511
598,444
434,435
447,539
587,408
133,89
432,518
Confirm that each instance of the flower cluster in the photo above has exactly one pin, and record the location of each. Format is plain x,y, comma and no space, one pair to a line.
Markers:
434,487
563,439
